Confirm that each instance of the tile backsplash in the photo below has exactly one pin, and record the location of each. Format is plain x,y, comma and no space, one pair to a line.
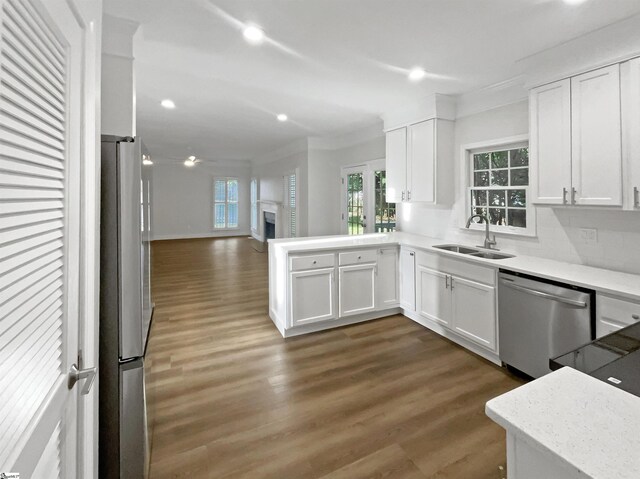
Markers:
616,246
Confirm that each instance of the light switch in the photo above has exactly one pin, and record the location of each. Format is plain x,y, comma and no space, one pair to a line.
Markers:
589,235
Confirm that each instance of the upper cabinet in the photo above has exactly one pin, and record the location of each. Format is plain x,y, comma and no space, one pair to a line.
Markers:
420,162
631,133
576,140
596,134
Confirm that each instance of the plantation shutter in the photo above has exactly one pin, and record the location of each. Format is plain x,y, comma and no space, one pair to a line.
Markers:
293,220
38,280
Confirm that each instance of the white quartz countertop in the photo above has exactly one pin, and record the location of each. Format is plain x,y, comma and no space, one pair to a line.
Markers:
600,279
592,426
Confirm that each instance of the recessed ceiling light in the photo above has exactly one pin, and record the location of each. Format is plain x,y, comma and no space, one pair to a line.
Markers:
146,160
168,104
416,74
192,158
189,163
253,34
282,117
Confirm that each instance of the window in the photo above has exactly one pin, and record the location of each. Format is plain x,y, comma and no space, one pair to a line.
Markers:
290,205
225,203
254,205
499,185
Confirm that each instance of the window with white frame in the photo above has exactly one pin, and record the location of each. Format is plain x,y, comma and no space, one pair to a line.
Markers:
225,203
254,205
290,204
499,186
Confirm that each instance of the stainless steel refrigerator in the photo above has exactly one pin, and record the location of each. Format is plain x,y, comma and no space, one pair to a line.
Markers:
126,308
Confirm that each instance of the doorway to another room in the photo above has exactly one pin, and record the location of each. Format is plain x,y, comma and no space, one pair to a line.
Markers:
364,203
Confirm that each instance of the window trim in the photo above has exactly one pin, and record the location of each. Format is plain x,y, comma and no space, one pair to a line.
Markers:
226,203
254,202
466,168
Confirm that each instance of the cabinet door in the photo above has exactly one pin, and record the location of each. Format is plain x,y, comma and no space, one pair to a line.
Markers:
632,135
312,296
421,164
613,314
474,311
550,142
387,286
396,146
597,137
357,289
408,279
434,297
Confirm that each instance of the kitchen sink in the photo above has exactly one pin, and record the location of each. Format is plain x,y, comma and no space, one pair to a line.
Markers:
491,255
457,248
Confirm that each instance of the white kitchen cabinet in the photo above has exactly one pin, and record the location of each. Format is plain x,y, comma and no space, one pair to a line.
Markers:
420,162
407,264
387,280
631,133
396,162
357,289
312,296
596,134
474,311
613,314
576,140
434,296
550,143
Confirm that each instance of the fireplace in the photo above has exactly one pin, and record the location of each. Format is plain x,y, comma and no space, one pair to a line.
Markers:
269,225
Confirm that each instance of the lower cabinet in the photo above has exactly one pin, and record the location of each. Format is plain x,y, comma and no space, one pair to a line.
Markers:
407,270
474,311
434,296
387,281
464,305
613,314
357,289
313,296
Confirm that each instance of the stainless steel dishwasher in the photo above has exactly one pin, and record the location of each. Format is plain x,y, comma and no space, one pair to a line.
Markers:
540,320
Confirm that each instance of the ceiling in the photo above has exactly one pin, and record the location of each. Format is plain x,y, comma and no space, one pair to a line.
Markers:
331,65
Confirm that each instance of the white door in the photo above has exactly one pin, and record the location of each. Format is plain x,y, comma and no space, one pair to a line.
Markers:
407,279
312,296
596,137
40,129
434,297
550,142
387,279
357,289
421,169
396,157
474,311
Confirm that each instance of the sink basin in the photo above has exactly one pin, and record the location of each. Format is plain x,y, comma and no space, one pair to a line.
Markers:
457,248
491,255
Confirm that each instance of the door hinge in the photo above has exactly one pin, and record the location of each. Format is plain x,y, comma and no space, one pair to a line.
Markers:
343,216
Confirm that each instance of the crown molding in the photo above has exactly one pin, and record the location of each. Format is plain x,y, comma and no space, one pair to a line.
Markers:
346,140
494,96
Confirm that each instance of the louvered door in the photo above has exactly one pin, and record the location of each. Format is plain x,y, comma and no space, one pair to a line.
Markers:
40,113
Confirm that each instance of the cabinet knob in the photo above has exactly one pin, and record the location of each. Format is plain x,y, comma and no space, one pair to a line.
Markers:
314,261
411,254
635,316
359,257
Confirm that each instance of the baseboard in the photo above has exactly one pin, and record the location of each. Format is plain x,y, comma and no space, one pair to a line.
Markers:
221,234
450,335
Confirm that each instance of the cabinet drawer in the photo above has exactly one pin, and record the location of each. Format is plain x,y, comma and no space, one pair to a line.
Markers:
357,257
614,314
463,269
299,263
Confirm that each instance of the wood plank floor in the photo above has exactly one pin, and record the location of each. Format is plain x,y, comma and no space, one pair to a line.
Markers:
230,398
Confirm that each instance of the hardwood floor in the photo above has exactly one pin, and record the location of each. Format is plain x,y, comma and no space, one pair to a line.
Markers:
230,398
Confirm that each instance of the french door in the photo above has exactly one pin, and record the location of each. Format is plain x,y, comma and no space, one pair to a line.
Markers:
364,205
41,108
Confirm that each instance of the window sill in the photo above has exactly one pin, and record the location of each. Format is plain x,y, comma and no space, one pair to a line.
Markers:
226,229
525,233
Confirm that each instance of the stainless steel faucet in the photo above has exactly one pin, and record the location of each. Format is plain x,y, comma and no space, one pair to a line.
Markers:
489,242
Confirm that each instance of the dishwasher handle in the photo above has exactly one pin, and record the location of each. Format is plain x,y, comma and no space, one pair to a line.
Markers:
542,294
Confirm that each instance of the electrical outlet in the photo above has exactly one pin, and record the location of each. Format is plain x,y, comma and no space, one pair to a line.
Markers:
589,235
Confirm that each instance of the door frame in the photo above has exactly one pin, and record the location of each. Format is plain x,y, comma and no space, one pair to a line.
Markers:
368,186
89,16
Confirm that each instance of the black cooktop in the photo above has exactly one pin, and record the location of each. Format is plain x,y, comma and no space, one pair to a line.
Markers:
614,359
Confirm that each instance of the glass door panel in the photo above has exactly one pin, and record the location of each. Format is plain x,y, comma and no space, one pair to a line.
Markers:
385,219
356,219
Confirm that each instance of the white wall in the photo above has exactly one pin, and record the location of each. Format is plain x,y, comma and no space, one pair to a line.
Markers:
557,228
183,200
